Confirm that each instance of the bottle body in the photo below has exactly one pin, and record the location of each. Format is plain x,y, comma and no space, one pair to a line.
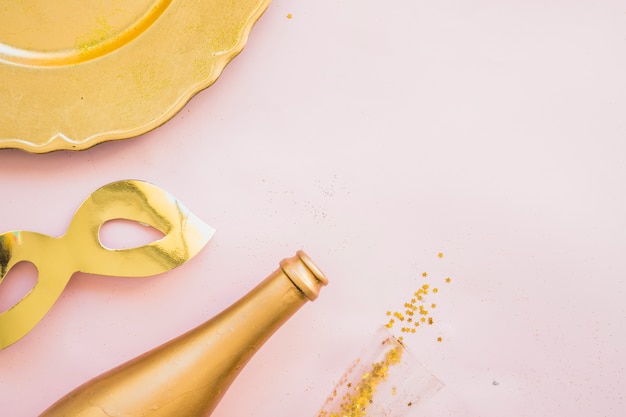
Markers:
187,376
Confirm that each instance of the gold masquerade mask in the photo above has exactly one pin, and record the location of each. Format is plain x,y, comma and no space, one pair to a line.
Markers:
80,249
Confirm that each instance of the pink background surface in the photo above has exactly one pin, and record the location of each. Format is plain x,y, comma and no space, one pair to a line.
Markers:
374,135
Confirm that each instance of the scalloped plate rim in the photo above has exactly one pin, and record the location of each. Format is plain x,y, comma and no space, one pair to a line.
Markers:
64,142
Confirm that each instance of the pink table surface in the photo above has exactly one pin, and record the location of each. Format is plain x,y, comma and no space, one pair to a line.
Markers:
375,135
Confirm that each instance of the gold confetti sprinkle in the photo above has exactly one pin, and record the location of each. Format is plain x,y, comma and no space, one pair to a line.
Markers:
289,15
356,403
418,304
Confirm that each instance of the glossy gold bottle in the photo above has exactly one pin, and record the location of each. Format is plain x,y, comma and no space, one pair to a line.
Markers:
187,376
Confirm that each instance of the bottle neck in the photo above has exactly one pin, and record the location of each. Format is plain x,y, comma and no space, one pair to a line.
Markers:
242,328
222,346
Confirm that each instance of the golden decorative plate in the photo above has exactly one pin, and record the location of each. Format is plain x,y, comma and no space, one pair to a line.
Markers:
75,73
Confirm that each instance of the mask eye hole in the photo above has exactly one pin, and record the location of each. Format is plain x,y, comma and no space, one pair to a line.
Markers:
121,234
17,282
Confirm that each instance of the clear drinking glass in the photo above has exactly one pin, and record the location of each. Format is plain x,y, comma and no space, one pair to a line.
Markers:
384,381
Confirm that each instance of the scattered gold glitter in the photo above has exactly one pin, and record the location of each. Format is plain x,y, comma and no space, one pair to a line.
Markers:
355,404
289,15
416,304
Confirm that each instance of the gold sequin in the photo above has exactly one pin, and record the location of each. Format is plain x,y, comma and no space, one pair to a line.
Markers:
356,404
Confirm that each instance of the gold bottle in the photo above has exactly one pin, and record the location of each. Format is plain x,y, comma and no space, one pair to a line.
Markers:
187,376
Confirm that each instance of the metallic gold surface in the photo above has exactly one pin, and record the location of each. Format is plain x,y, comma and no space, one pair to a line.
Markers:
187,376
74,73
80,249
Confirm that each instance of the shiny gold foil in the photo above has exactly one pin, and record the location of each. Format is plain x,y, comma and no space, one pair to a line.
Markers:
187,376
80,249
74,73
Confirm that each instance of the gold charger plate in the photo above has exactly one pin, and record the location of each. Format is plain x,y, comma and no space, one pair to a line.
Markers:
75,73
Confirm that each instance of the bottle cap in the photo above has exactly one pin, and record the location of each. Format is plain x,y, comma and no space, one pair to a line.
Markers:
303,272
